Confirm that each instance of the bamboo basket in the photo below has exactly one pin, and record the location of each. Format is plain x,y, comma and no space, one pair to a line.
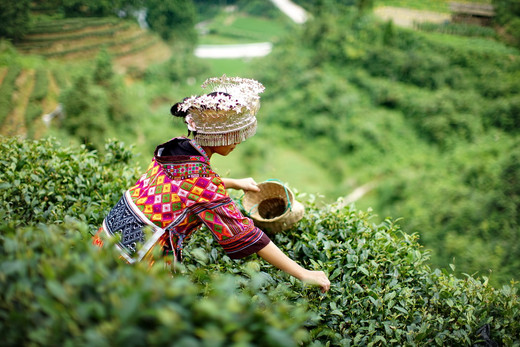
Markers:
273,209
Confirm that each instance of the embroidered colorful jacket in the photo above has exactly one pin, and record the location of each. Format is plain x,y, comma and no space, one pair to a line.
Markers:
179,193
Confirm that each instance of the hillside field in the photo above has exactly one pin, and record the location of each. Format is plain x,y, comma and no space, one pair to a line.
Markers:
51,55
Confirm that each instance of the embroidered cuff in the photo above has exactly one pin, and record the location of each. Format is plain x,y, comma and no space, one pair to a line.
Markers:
247,245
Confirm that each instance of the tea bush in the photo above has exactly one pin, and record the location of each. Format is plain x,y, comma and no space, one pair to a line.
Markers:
66,25
42,182
6,91
32,112
458,29
383,291
41,85
58,289
485,197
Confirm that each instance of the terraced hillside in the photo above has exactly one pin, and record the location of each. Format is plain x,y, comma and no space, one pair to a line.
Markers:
27,94
82,38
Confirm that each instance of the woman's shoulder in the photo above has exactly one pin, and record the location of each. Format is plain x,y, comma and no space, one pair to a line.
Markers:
178,146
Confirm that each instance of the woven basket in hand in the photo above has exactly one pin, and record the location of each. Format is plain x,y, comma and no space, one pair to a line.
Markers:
273,209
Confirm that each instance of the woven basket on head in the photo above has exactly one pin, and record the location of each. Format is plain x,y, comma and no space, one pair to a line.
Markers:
273,209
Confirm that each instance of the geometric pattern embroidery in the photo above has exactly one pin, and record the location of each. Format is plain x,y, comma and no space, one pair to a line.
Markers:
199,197
187,169
122,220
162,199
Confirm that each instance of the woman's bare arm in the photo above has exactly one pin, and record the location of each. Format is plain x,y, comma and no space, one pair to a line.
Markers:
273,255
241,183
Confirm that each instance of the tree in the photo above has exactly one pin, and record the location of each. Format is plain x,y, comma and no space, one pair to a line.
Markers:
365,5
86,111
103,71
14,16
90,8
508,16
506,10
173,20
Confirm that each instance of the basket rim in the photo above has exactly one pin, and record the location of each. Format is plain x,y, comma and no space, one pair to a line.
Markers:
252,199
274,227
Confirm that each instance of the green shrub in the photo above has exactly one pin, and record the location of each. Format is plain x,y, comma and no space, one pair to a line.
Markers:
442,117
503,113
383,291
41,85
61,78
57,289
458,29
6,91
72,24
41,182
179,68
447,93
39,92
478,228
507,15
112,31
416,67
32,112
86,107
259,8
173,20
15,19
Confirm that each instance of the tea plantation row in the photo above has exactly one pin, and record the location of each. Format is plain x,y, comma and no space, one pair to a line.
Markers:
56,288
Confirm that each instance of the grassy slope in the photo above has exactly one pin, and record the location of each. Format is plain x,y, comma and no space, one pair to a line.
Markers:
302,173
427,5
294,165
236,28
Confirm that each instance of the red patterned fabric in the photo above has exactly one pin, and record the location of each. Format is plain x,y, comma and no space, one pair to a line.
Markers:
177,195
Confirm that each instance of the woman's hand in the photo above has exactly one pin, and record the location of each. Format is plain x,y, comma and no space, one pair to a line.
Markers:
317,278
247,184
243,183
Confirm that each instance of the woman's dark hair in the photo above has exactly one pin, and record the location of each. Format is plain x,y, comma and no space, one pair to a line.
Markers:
221,93
176,112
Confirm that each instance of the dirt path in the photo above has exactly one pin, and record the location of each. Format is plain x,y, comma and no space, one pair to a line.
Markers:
357,194
245,50
3,72
48,104
407,17
293,11
157,53
14,124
